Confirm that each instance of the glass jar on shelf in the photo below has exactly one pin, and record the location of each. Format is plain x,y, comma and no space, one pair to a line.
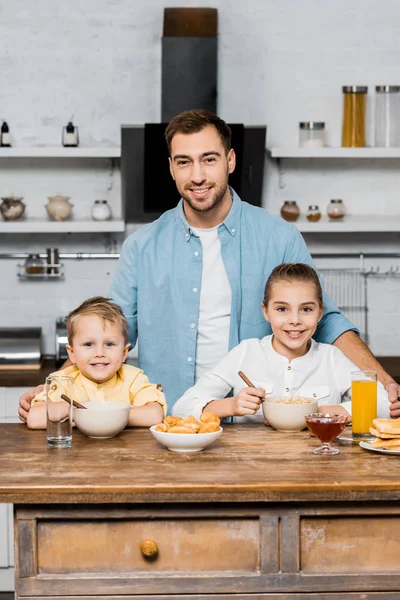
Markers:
354,116
290,210
336,210
312,134
34,265
101,210
313,213
387,116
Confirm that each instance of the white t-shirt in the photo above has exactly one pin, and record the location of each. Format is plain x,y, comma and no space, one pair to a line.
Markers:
215,304
323,373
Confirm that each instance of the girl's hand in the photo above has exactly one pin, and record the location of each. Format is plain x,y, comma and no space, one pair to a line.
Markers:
247,401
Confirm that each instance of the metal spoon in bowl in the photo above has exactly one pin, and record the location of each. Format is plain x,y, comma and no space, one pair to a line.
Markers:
248,382
73,402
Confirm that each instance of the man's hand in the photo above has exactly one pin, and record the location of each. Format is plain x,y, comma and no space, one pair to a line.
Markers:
25,402
247,401
393,390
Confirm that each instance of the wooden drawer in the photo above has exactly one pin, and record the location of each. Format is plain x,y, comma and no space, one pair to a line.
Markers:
180,544
79,551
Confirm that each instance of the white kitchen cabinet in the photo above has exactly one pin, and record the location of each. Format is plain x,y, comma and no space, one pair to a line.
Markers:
9,401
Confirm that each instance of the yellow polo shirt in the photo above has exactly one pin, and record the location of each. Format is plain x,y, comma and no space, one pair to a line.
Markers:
129,384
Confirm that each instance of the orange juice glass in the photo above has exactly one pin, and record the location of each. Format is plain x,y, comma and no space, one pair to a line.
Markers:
364,385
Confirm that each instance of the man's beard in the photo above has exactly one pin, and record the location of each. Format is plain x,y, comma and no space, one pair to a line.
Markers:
206,206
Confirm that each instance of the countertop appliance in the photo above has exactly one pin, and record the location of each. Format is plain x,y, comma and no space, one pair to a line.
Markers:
20,348
61,341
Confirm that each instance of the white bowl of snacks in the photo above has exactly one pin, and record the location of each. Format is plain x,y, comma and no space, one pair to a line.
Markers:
287,413
187,435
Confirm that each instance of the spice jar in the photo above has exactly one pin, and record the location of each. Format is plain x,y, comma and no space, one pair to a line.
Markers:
387,115
312,134
313,213
101,210
70,135
33,265
290,210
336,210
5,135
354,111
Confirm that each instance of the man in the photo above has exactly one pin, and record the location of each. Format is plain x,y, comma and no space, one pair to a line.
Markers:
191,283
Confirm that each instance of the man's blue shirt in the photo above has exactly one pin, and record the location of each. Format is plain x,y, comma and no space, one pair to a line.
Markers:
158,279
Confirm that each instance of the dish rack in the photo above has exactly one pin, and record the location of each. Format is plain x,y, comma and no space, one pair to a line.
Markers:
348,288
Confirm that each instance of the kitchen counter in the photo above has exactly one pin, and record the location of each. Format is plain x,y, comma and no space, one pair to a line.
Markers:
254,512
27,378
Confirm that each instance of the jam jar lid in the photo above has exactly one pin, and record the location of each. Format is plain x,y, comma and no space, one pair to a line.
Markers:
313,207
336,201
290,202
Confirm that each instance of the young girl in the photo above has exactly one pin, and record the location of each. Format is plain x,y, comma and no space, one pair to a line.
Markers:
287,363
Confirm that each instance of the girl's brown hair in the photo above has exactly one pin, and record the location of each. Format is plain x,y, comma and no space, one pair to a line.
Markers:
101,307
293,272
195,120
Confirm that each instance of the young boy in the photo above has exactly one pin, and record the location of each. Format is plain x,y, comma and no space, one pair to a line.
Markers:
97,348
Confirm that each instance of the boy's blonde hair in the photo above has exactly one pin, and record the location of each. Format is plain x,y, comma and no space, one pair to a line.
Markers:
293,272
101,307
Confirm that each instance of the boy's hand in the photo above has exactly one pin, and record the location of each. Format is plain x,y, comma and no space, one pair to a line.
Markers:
25,402
247,401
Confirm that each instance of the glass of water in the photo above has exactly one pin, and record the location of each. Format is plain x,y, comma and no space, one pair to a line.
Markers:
58,411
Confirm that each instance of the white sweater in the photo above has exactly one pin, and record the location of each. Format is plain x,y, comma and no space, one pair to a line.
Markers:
323,373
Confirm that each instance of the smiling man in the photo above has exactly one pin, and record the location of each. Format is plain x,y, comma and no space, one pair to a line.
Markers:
190,284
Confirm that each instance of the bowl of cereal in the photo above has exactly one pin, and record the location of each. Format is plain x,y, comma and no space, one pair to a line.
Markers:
287,413
187,435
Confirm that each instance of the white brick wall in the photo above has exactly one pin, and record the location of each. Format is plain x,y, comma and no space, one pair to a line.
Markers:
280,61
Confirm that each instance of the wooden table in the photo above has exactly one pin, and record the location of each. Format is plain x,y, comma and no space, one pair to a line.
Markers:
256,515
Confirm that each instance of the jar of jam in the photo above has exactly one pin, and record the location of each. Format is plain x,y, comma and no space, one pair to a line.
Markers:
336,210
290,210
313,213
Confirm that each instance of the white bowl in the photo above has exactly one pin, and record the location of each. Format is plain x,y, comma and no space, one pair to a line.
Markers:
185,442
102,419
287,417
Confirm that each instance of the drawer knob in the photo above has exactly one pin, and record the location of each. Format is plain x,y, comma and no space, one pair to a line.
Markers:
149,548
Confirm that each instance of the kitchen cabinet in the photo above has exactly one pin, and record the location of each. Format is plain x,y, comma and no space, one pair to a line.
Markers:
9,401
60,165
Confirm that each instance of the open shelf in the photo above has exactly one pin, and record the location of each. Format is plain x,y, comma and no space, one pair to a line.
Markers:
351,224
61,152
43,226
334,152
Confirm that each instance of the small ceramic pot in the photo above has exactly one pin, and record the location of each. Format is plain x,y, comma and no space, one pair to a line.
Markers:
58,208
101,210
12,208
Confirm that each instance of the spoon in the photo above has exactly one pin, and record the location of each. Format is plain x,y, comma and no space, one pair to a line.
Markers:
248,382
74,402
